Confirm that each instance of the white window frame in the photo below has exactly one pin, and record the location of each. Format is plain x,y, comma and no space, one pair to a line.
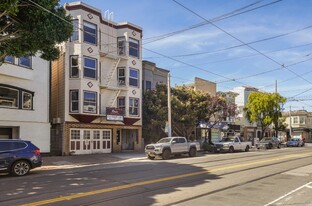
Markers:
75,33
21,63
30,100
121,42
133,107
120,105
134,41
74,66
134,78
88,104
89,68
89,25
74,101
9,99
121,78
10,62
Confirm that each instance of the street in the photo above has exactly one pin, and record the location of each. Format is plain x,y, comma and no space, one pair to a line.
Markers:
259,177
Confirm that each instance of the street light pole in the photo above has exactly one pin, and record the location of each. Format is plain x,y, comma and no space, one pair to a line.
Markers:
169,106
290,121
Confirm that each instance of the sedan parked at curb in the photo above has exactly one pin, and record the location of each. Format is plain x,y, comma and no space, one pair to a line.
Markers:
18,157
295,142
269,143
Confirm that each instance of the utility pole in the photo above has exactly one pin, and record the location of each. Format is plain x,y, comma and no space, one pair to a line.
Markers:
276,86
290,120
169,106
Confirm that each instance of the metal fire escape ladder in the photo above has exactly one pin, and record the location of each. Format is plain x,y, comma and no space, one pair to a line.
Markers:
110,75
117,92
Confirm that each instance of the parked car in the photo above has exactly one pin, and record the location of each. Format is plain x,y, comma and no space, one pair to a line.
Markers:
231,144
18,157
168,146
295,142
269,143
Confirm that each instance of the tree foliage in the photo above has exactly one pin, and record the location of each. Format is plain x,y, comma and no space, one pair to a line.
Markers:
26,28
188,107
264,108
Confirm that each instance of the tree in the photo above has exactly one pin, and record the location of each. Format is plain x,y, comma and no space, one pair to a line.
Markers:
277,120
263,108
31,26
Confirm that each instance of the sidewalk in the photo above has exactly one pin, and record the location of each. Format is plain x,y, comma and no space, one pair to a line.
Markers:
56,162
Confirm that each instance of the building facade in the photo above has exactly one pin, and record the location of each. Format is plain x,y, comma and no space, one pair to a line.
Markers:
205,86
153,75
24,100
96,86
249,131
300,122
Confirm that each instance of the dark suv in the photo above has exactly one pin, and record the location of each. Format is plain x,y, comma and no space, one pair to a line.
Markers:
18,157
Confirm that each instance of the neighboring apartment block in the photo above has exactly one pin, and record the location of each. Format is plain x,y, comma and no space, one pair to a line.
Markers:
205,86
300,122
248,130
153,75
24,100
96,86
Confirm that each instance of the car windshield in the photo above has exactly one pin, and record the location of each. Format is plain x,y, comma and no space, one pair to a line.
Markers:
227,139
164,140
265,139
293,139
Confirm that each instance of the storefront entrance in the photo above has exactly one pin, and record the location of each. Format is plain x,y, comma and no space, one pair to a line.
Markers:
128,138
89,141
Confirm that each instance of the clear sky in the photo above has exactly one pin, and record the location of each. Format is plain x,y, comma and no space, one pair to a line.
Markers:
278,34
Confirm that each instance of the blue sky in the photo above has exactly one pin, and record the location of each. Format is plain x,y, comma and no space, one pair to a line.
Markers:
286,58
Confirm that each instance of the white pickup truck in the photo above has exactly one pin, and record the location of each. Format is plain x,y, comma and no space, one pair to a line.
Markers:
231,144
168,146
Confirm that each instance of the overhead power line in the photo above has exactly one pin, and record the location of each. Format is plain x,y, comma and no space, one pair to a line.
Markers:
234,37
219,18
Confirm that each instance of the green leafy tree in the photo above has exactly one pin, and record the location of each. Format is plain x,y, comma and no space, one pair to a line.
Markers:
31,26
277,119
263,108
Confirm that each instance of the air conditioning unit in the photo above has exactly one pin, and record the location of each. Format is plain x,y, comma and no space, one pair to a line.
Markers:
56,120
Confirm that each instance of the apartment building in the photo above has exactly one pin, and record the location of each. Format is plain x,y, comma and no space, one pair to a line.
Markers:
24,100
300,122
96,86
153,75
248,130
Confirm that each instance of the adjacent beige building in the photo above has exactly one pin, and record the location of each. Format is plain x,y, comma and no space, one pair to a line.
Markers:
153,75
300,122
96,86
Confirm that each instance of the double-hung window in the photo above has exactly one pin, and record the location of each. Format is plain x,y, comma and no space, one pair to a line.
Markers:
27,100
121,41
121,102
134,77
24,61
134,48
121,76
75,34
74,101
148,85
89,102
74,67
89,33
133,106
89,68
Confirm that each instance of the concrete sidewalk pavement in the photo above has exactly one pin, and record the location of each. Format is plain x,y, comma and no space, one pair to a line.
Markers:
73,161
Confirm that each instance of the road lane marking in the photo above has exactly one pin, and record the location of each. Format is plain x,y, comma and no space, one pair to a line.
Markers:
130,185
289,193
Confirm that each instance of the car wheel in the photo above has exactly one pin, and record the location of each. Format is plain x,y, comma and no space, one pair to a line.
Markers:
166,154
279,146
269,146
231,149
20,168
247,148
150,157
192,152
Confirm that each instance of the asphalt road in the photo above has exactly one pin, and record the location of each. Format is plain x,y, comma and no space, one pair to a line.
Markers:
266,177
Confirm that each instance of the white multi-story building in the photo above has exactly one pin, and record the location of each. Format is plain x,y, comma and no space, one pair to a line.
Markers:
24,100
96,85
248,130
